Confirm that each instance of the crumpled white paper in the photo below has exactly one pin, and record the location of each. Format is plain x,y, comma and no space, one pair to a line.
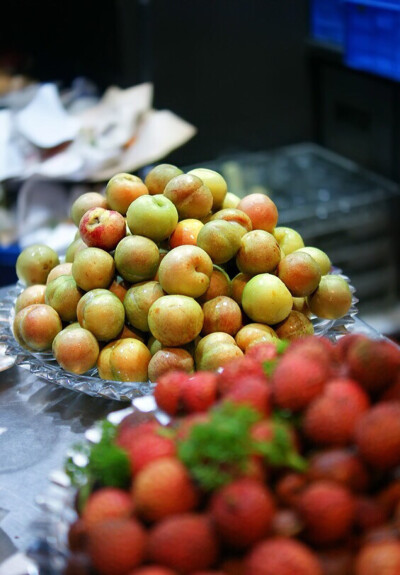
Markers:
122,132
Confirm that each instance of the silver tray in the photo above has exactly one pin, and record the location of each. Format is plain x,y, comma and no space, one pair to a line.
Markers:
44,365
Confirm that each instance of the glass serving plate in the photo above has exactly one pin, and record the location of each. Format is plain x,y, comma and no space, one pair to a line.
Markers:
45,366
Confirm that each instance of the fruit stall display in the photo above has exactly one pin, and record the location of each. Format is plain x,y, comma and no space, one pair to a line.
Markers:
283,462
174,272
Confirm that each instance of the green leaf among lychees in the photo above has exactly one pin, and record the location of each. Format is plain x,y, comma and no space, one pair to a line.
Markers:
106,463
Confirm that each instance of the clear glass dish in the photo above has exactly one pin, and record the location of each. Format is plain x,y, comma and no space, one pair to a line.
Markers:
45,366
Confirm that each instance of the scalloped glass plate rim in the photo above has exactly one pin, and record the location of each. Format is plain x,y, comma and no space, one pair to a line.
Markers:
45,366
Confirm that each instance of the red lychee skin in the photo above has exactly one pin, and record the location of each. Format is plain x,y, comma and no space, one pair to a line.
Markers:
185,542
392,393
242,512
328,511
374,364
199,391
163,488
296,381
117,545
168,391
107,503
319,349
238,368
383,533
261,352
341,465
149,447
290,487
233,565
152,570
77,535
265,430
331,418
129,431
344,344
253,392
370,513
389,496
337,561
281,556
379,559
377,436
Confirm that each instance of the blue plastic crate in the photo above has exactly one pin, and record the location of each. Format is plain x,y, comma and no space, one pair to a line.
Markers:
372,38
327,21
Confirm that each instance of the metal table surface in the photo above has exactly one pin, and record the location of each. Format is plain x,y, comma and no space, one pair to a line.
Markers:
38,422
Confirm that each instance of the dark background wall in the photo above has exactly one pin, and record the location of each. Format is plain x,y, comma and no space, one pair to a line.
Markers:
236,69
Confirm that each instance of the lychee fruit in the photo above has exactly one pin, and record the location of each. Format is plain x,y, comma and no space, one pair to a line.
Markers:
262,352
281,556
116,545
238,368
296,381
199,391
341,465
184,542
242,512
168,390
251,391
163,488
373,363
377,435
379,559
152,570
148,447
331,418
369,513
107,503
328,511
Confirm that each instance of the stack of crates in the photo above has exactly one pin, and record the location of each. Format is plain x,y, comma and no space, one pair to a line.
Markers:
367,30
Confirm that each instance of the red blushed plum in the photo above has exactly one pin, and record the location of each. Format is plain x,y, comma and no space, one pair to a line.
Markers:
221,314
261,210
138,300
35,327
288,239
237,286
168,359
319,256
220,239
100,228
295,325
60,270
35,263
63,295
215,182
159,176
124,360
175,320
154,217
234,216
74,247
119,287
300,273
213,358
259,253
255,333
86,202
185,270
122,190
266,299
220,284
76,349
211,341
137,258
93,268
332,299
191,197
185,233
102,313
30,295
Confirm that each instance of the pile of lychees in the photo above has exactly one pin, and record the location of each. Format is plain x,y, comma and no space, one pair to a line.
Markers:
284,462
